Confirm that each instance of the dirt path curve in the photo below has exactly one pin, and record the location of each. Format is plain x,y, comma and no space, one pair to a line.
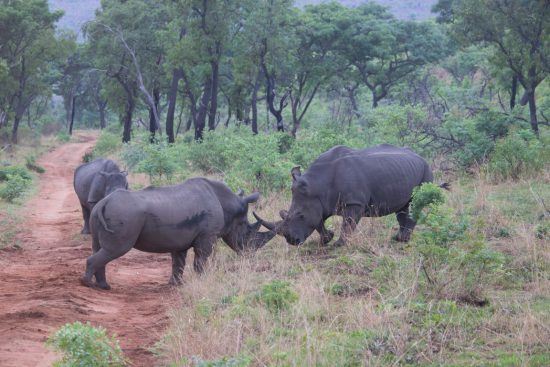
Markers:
39,285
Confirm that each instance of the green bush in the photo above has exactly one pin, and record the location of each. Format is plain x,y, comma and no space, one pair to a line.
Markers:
106,144
14,171
86,346
517,155
456,261
63,136
224,362
158,162
277,295
30,163
14,187
423,196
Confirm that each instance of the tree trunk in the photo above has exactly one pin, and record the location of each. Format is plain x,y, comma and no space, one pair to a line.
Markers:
533,112
73,108
152,118
102,121
172,99
126,135
15,127
213,96
203,107
513,92
254,104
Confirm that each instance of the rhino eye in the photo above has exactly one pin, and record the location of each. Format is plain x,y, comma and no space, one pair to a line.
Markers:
301,216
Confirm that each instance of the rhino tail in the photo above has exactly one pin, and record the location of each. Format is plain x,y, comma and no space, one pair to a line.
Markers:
100,214
445,186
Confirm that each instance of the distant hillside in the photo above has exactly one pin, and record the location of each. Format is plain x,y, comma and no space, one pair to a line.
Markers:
404,9
77,12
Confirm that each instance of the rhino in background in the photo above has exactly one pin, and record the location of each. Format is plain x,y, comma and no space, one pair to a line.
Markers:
171,219
352,183
95,180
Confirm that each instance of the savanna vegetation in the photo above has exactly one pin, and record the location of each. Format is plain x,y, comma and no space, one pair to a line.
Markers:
245,90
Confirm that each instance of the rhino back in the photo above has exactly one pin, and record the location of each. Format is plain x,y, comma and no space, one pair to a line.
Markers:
164,219
83,177
380,178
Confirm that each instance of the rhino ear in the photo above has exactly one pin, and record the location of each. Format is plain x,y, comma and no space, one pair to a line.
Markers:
295,173
283,214
240,193
252,198
124,173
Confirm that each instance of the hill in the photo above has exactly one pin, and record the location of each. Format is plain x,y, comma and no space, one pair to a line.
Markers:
77,12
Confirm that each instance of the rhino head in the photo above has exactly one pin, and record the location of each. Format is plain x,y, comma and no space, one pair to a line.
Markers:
105,183
305,213
240,234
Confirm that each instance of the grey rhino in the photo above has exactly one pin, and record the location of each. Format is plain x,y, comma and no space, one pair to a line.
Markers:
95,180
171,219
352,183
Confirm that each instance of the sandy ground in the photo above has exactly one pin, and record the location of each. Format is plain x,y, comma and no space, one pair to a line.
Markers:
39,284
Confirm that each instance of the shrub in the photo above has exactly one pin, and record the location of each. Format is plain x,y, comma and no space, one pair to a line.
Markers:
85,345
519,154
30,163
455,260
14,171
224,362
63,136
423,196
106,144
277,295
14,187
158,162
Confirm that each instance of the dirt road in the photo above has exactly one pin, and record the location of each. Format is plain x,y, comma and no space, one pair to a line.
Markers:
39,284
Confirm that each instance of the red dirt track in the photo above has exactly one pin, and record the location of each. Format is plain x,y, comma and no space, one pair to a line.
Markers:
39,284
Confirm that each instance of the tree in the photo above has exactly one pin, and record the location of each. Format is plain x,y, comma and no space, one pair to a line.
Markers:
517,32
382,50
125,39
29,49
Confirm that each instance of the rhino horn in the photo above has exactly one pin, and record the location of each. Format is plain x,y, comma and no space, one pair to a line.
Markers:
272,226
261,238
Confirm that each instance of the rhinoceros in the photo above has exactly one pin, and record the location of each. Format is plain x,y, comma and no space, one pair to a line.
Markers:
95,180
352,183
171,219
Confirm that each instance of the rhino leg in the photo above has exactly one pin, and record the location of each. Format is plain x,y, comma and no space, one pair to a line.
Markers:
406,225
325,235
178,263
203,248
100,278
351,215
86,216
94,264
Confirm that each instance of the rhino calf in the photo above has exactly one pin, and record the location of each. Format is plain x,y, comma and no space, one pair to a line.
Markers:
95,180
352,183
171,219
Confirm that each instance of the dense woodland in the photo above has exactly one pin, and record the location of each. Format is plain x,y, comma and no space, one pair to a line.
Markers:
245,90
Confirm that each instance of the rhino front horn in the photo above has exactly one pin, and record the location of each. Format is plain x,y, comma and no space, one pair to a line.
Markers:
269,225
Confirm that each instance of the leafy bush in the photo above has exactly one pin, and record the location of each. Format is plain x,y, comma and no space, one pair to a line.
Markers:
158,162
455,260
30,163
14,171
224,362
17,181
277,295
106,144
63,136
423,196
517,155
14,187
86,346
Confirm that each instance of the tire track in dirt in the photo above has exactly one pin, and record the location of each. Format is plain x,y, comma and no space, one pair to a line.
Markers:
39,284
